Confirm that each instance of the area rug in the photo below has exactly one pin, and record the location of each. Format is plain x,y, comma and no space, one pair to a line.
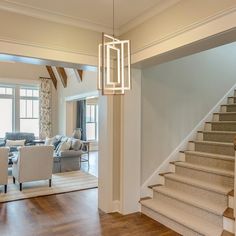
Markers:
61,183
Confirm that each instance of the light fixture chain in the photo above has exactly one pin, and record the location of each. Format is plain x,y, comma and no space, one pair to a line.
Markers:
113,18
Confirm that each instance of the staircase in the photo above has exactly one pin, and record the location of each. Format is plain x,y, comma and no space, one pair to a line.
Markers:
197,196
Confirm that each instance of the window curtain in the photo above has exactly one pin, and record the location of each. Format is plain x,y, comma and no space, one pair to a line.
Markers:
81,118
45,97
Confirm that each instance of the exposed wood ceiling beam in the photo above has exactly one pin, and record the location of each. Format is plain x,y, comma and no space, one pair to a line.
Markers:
52,76
80,72
62,73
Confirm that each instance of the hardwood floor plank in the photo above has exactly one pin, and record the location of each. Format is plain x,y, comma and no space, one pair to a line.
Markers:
72,214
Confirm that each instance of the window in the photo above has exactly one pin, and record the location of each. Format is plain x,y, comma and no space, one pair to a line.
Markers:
21,109
91,121
6,105
29,110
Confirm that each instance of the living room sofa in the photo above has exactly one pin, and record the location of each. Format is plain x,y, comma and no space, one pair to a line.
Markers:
66,160
28,137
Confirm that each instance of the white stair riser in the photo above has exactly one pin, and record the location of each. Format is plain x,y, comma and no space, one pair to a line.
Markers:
215,148
191,146
207,127
210,217
228,225
171,168
181,156
215,117
210,162
218,137
207,195
231,100
223,108
199,136
205,176
230,202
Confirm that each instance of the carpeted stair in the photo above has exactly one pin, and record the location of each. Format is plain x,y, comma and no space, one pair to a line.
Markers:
197,197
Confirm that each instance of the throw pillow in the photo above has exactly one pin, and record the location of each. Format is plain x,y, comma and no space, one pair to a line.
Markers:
56,143
49,141
76,144
52,141
64,146
14,143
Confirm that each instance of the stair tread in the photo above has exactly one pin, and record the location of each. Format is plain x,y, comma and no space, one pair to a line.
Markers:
211,155
188,220
226,233
225,113
215,143
229,213
214,170
192,200
201,184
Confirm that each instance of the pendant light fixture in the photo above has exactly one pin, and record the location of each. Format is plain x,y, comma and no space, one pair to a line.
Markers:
114,76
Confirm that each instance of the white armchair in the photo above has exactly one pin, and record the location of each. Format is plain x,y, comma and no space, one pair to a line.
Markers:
33,163
4,167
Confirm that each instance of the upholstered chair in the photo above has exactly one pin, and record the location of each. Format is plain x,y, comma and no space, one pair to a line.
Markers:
4,152
33,163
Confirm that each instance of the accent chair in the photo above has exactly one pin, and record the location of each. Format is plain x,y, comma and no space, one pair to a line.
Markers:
4,152
33,163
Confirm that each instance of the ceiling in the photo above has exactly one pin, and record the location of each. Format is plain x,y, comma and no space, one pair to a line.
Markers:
91,14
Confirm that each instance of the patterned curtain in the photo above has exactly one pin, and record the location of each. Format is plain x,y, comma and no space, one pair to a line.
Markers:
45,97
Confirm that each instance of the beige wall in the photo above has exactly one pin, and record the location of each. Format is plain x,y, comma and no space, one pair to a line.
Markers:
37,32
73,89
182,15
177,95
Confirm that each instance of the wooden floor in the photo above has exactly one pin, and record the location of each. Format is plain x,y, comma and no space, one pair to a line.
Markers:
72,214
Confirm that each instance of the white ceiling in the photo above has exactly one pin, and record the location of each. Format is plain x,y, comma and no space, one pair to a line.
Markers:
91,14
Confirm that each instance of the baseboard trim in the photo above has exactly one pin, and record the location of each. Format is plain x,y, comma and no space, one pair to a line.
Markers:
116,206
154,177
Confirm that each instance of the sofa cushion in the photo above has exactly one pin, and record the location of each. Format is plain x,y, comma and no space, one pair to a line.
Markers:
71,153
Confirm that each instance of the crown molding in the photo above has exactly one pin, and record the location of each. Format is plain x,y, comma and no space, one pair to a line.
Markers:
52,16
24,9
188,28
149,13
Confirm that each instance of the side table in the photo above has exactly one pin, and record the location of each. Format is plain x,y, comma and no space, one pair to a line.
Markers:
86,145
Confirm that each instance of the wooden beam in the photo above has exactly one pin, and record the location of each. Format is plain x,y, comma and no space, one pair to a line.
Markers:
80,72
52,76
62,73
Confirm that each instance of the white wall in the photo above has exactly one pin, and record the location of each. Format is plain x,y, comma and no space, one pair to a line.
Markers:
73,88
177,95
